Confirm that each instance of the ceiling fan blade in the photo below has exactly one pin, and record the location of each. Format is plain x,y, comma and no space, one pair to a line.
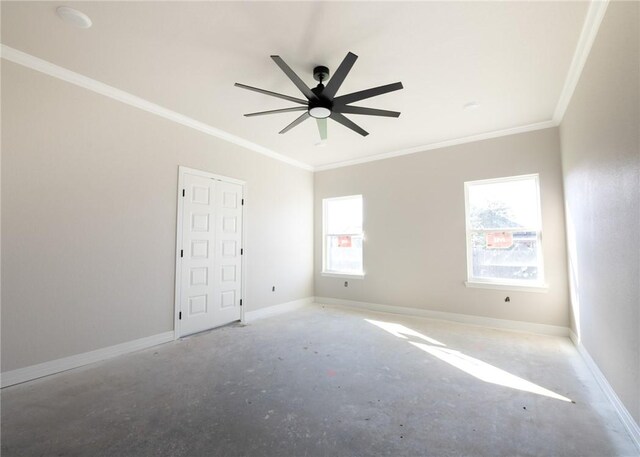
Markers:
275,111
294,78
273,94
298,120
348,123
338,77
322,128
367,93
367,111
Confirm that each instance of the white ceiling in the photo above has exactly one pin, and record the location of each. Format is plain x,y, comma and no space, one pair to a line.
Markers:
511,57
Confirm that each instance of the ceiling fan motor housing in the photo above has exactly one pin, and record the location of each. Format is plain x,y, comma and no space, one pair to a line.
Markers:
320,73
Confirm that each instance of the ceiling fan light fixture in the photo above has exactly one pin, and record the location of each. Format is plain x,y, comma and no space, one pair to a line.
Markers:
319,112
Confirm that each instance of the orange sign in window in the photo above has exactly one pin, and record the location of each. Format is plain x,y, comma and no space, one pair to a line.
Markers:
344,241
499,240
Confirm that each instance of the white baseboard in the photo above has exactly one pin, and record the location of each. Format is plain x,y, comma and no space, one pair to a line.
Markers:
625,417
274,310
502,324
29,373
40,370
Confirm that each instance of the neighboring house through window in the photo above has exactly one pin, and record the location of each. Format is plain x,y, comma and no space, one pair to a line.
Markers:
343,236
504,232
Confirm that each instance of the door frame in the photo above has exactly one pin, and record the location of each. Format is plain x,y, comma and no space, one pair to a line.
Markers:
182,171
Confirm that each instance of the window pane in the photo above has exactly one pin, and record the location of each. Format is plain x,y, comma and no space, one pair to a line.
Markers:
344,215
505,255
507,204
344,253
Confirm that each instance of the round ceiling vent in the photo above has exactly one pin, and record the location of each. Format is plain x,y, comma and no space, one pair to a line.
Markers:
74,17
471,106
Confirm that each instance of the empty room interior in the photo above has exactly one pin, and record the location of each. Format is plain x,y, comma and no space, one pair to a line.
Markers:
320,228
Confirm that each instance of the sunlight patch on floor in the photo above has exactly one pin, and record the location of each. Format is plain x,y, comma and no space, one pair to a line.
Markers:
403,332
486,372
470,365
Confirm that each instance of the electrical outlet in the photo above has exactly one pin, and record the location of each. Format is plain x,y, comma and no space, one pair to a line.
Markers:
346,283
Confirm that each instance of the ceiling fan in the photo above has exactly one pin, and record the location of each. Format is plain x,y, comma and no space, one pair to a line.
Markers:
321,101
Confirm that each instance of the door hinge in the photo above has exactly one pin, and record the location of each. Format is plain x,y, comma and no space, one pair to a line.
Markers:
241,251
180,315
242,202
241,302
183,192
181,253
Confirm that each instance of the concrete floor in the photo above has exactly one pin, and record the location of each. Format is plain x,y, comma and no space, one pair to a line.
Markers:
323,382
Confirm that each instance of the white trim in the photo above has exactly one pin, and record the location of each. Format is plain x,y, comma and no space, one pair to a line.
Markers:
182,171
595,14
206,174
590,28
505,229
501,283
51,69
440,144
330,274
12,377
243,260
178,269
275,310
502,179
627,420
544,288
37,64
593,19
339,274
490,322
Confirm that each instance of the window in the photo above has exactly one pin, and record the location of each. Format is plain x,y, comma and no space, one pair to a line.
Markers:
504,243
342,235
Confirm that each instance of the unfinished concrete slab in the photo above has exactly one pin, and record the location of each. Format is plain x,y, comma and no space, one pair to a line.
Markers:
324,381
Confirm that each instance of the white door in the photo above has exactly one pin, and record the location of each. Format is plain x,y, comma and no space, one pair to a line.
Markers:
210,254
228,252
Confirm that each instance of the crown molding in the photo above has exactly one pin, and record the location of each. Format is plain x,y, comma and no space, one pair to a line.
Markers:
595,14
593,19
43,66
440,144
590,27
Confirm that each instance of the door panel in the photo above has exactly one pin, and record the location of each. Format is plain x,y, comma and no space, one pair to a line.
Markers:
228,258
210,268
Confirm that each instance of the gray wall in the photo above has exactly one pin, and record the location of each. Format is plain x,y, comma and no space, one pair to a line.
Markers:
601,161
414,223
89,188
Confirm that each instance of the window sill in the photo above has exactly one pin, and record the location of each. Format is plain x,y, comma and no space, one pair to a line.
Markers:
542,288
342,275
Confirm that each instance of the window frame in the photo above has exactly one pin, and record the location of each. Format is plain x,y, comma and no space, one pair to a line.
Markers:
325,235
540,284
